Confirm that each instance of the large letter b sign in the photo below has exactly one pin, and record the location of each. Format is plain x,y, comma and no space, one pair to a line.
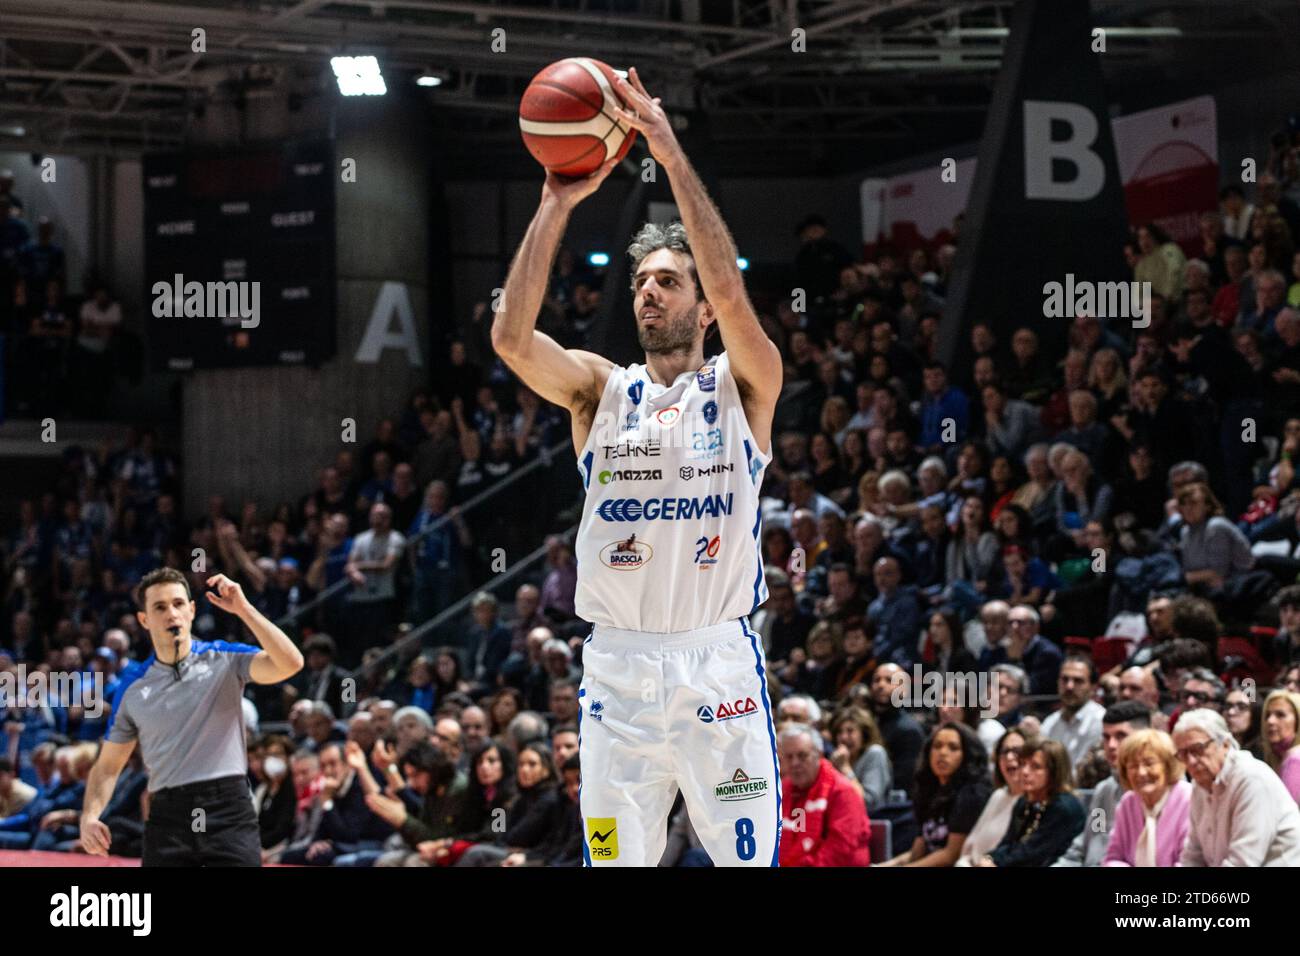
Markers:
1041,149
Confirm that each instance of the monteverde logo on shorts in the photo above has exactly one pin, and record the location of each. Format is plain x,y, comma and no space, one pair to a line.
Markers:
727,710
626,554
602,837
740,787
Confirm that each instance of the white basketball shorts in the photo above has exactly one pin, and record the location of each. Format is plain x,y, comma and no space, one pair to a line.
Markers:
688,711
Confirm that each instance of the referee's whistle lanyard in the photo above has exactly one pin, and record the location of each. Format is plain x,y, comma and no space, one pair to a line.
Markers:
176,650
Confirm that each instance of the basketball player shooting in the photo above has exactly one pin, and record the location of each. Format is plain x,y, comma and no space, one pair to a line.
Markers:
671,453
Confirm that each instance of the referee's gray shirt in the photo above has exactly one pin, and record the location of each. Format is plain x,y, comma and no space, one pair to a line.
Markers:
190,728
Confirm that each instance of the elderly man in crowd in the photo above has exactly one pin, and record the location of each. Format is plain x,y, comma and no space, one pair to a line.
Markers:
1241,814
823,819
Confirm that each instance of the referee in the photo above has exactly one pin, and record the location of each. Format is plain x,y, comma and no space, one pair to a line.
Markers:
183,707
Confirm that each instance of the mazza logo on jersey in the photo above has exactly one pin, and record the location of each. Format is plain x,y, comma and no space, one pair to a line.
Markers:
626,555
706,551
664,509
727,711
630,474
706,378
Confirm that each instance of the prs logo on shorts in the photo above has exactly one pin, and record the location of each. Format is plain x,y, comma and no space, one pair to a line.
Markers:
727,711
602,837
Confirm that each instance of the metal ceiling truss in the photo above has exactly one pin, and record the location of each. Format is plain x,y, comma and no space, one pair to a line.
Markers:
115,74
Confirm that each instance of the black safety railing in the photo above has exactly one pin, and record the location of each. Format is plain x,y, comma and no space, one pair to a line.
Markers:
545,460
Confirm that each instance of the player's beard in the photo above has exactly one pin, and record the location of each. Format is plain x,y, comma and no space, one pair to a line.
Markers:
671,335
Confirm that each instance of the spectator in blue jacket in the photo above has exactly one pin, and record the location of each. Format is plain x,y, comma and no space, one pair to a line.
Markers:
942,402
895,614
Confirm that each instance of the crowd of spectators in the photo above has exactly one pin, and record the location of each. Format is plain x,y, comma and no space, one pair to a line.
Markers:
1006,592
51,339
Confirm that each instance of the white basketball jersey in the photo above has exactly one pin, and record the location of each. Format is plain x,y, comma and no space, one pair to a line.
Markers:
670,532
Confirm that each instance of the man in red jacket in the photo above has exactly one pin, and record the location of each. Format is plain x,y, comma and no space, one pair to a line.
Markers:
823,820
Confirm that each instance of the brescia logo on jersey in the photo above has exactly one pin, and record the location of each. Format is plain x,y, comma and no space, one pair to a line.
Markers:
664,509
727,710
626,555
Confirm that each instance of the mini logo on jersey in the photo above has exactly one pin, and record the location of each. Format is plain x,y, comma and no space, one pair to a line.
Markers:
706,379
706,444
602,837
710,412
668,416
596,711
687,472
634,391
630,474
741,786
727,710
626,555
706,551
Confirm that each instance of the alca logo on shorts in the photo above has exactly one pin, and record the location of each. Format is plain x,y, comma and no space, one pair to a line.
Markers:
596,711
741,786
706,551
727,710
706,378
710,412
627,554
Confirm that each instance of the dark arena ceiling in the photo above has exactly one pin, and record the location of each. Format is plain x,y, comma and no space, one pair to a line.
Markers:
878,80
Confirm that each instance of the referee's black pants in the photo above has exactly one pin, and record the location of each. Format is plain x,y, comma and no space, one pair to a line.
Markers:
225,833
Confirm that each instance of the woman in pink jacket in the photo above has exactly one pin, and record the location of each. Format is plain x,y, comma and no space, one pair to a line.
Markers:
1151,818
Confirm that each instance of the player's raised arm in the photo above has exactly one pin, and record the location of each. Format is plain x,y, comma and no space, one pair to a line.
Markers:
562,376
755,359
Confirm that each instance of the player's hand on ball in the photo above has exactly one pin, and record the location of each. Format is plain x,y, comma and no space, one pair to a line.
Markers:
645,114
226,594
95,837
569,192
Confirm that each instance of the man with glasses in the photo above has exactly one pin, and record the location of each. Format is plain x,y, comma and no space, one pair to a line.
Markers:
1026,648
1202,688
1241,813
1077,725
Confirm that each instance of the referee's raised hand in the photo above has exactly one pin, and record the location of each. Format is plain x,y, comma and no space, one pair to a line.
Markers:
226,594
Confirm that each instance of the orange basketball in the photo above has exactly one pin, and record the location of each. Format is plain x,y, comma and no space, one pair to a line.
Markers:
566,117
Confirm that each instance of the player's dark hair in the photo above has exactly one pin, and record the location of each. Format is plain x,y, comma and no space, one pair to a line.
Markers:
160,576
653,237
